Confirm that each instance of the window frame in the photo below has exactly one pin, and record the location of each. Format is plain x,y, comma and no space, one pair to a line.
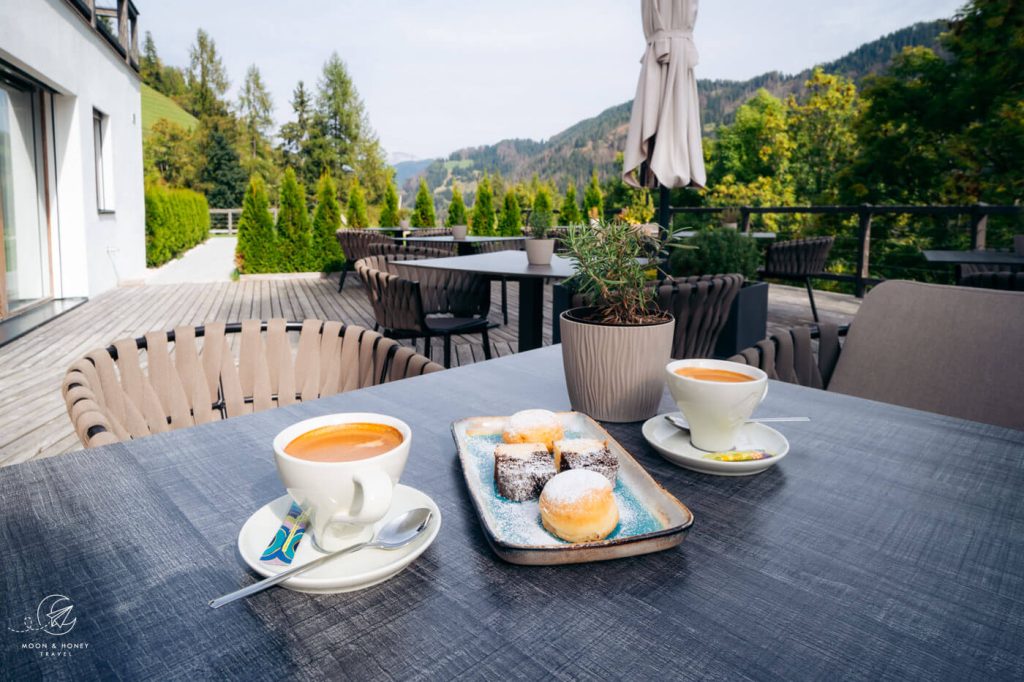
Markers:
102,162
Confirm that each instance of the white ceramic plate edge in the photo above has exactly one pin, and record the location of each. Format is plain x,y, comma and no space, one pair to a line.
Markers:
658,423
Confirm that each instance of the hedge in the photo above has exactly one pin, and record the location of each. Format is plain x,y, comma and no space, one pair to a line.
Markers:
176,220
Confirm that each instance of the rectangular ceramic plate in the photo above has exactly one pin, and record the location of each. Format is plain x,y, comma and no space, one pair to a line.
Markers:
650,518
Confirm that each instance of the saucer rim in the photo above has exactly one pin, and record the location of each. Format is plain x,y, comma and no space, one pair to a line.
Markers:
712,467
348,582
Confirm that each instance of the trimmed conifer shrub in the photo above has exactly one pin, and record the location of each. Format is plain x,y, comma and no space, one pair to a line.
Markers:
510,222
541,216
457,209
356,213
423,213
483,209
570,209
176,220
389,214
256,250
293,231
327,255
593,199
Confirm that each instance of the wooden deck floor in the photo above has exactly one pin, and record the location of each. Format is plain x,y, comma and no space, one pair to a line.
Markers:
34,422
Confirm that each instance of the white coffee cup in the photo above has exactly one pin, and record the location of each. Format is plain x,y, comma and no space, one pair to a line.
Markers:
716,410
343,499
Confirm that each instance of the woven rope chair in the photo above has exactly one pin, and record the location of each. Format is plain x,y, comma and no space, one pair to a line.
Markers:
399,252
947,349
798,259
494,247
700,306
997,279
355,244
434,232
409,303
111,398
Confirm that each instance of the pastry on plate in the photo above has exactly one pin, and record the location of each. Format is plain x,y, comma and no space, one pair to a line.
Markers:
533,426
522,469
579,506
586,453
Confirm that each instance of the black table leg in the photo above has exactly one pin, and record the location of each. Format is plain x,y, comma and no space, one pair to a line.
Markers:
531,313
464,248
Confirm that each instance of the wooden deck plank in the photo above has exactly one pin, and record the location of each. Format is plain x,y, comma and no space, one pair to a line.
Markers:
33,419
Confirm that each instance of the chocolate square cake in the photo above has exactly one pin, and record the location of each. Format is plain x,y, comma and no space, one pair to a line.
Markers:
586,453
522,469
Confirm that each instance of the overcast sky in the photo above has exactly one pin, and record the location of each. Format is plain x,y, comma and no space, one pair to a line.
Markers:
437,75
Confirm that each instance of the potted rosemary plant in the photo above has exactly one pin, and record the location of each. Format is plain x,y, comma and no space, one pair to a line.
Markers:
614,349
730,217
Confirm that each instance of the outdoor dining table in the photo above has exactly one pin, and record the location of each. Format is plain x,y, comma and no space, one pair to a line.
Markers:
463,247
886,545
975,257
514,266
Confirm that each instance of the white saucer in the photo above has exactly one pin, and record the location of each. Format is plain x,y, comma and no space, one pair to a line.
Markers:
674,445
346,573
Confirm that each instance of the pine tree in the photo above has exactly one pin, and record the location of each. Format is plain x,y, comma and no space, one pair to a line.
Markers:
207,78
256,250
541,216
256,115
293,231
389,215
423,213
326,222
483,209
221,176
510,222
570,210
456,210
593,199
356,213
150,67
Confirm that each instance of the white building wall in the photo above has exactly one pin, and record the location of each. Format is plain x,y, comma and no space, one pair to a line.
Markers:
50,41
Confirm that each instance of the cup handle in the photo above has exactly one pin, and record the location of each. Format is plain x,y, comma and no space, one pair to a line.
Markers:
376,487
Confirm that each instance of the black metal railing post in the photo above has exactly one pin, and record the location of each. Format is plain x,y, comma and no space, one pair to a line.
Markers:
979,226
745,219
664,210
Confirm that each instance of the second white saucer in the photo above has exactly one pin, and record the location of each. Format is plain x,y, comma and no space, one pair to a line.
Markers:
674,445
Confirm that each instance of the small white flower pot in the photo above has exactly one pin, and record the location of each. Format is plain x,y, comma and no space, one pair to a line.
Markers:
539,251
459,232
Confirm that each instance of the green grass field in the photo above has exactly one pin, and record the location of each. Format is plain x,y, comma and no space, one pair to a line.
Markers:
156,106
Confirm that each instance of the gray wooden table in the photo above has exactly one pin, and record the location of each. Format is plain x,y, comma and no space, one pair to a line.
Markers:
887,545
974,257
511,265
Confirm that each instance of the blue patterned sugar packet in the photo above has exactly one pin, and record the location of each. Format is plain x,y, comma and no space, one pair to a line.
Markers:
281,549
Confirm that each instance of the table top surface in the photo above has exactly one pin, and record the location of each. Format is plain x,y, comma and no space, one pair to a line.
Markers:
512,264
887,545
975,257
468,238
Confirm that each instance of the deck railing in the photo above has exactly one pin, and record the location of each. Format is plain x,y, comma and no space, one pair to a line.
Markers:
977,214
225,220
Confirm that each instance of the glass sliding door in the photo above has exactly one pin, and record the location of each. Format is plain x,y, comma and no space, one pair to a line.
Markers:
24,249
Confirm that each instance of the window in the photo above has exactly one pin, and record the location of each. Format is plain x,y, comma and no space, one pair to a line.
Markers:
104,169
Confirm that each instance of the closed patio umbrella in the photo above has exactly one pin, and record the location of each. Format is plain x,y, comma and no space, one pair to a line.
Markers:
664,129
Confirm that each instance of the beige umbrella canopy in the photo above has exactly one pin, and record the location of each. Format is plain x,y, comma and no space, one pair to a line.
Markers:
664,129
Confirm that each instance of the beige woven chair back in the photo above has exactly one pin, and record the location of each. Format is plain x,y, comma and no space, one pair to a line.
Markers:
399,252
797,257
701,307
173,380
355,244
790,355
951,350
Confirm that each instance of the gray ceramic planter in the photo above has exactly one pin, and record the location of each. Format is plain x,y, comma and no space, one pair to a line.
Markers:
615,373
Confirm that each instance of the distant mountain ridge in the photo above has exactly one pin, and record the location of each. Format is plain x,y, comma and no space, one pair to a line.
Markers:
594,142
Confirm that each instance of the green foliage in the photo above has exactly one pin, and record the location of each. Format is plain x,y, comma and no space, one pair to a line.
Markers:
593,199
356,213
169,152
221,175
176,220
207,78
156,106
717,252
456,210
256,250
570,209
541,217
256,115
389,215
293,231
483,209
327,254
423,213
756,145
609,274
510,221
640,210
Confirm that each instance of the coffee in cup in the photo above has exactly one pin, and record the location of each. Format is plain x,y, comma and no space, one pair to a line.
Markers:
342,470
716,397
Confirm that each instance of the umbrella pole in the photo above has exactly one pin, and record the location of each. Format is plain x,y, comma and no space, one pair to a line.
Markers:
664,212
